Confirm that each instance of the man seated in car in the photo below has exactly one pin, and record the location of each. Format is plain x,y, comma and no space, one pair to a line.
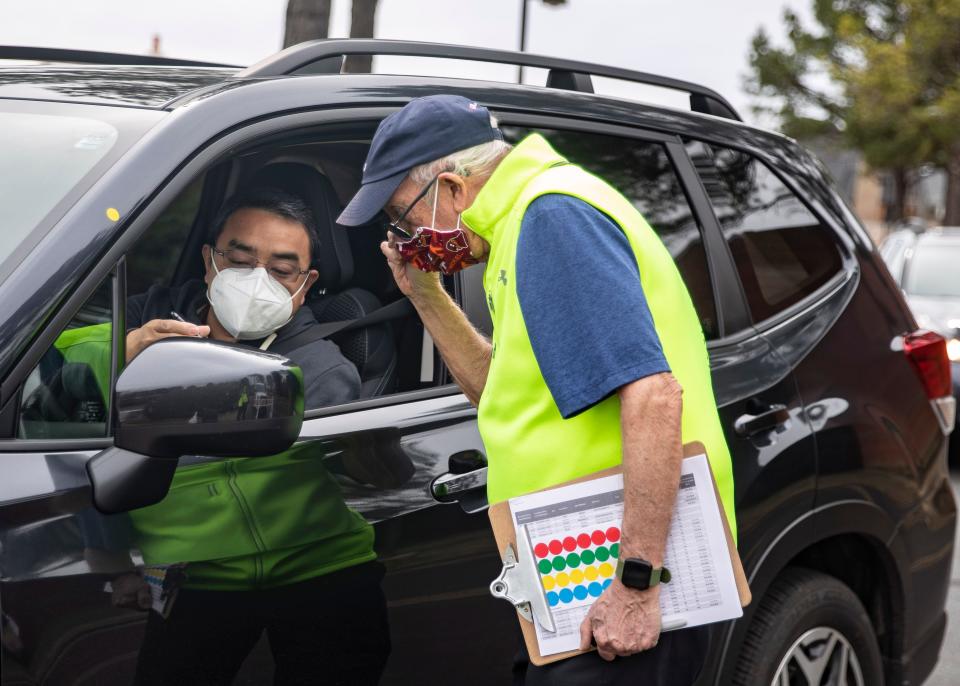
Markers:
258,261
268,543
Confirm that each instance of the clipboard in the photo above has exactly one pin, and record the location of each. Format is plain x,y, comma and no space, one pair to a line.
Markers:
519,583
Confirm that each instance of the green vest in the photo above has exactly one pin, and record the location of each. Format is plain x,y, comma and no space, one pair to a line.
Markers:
529,445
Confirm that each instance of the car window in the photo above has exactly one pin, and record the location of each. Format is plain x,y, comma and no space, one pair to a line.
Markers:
641,171
932,270
781,250
67,395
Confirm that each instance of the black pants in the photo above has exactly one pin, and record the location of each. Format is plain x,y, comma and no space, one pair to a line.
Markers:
676,661
328,630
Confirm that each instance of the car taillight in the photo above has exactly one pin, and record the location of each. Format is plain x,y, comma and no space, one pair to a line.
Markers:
927,351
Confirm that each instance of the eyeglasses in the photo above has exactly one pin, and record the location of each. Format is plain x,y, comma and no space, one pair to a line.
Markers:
395,225
285,271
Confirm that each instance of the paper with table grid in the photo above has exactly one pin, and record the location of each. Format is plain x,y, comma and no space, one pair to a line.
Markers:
574,533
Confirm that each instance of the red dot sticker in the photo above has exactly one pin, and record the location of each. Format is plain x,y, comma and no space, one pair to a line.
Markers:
541,550
569,544
556,547
583,540
613,534
597,537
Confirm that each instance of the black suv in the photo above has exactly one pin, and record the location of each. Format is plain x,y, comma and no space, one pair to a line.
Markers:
836,408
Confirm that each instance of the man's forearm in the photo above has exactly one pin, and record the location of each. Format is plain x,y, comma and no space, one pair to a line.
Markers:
464,350
650,411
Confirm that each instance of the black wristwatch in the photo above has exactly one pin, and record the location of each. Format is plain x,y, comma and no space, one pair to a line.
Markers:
635,572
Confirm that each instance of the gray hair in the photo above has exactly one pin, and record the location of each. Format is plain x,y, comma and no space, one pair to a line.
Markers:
479,160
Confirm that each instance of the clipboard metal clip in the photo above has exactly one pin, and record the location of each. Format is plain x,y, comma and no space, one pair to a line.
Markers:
519,585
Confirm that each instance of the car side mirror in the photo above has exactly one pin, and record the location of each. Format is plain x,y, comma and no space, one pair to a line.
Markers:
191,396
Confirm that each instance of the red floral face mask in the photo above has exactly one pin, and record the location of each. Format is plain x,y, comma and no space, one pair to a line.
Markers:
431,250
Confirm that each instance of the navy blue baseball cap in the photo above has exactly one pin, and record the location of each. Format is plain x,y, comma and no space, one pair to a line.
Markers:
426,129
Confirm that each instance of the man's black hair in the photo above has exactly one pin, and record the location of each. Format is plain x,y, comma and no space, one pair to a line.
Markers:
275,201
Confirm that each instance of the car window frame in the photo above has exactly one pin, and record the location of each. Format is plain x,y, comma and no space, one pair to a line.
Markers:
195,163
849,268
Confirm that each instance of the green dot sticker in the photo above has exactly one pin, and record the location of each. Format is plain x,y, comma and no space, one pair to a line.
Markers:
558,563
544,566
615,550
603,554
573,560
587,557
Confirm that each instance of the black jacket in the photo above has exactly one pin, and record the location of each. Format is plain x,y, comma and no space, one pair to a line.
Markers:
328,376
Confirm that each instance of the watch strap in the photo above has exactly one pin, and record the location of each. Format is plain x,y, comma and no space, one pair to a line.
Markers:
658,575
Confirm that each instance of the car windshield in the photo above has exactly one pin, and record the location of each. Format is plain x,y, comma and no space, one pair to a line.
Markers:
49,154
933,270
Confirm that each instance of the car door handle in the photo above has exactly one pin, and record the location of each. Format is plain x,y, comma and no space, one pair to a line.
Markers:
448,488
749,424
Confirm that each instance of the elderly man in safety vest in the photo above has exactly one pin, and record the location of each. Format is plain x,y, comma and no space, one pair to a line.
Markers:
597,356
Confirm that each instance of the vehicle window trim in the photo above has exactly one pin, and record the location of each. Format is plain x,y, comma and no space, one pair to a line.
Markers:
848,263
199,161
728,300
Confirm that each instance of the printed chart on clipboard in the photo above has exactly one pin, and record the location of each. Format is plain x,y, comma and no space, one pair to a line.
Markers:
574,535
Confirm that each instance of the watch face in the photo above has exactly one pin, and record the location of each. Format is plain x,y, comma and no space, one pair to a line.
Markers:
636,573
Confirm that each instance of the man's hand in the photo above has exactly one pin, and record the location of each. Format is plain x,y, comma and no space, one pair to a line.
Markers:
131,591
155,329
411,281
622,621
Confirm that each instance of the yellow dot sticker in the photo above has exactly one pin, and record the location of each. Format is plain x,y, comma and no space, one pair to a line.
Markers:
606,570
562,579
576,576
112,214
548,583
590,573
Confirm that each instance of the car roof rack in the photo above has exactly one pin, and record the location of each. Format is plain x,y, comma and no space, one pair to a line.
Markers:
327,57
34,54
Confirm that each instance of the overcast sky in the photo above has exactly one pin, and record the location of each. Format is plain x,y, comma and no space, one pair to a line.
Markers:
697,40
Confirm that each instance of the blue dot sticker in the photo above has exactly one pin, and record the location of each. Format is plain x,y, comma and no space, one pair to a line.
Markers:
566,595
580,592
595,589
553,598
607,583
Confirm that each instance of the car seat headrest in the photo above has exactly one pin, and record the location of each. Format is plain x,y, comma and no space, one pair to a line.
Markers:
335,261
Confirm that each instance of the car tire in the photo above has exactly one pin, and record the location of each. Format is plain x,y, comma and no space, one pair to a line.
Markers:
805,625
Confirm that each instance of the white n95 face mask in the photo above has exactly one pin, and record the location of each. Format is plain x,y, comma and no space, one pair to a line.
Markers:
249,303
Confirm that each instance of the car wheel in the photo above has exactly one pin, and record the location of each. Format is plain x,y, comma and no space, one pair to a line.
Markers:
809,630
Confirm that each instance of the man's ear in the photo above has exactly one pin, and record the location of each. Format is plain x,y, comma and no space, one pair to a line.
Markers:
312,277
456,185
208,272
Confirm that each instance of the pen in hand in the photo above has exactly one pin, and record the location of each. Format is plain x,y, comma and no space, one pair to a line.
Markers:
176,316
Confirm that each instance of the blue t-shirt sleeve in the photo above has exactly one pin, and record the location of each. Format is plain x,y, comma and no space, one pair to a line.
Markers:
582,302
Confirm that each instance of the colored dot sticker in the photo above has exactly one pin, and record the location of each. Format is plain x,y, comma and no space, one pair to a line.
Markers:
607,583
602,554
587,557
556,547
613,534
583,540
562,579
615,550
112,214
573,560
576,576
569,544
553,598
544,566
548,583
580,592
598,538
566,595
591,573
559,564
594,589
541,550
606,570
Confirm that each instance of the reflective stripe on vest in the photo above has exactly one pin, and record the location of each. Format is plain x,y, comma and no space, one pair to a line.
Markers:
529,445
